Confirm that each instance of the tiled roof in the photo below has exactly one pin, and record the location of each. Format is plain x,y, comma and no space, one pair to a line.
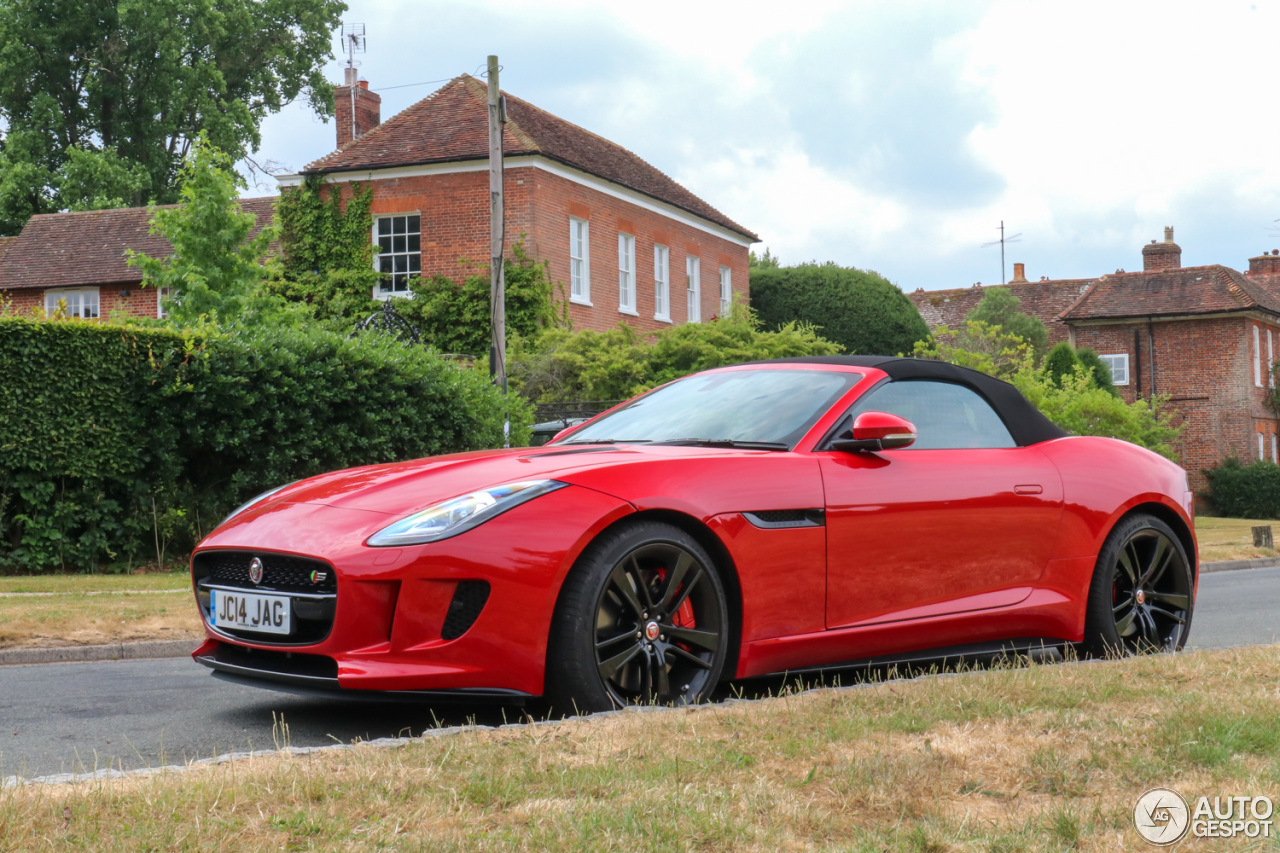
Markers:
453,124
1043,299
88,247
1209,289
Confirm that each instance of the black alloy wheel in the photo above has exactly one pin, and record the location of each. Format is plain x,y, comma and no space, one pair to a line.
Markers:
1140,600
642,620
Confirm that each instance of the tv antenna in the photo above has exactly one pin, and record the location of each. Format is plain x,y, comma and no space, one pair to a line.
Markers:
353,42
1015,238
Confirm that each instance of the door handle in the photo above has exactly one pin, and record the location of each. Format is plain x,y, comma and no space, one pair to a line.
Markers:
1028,489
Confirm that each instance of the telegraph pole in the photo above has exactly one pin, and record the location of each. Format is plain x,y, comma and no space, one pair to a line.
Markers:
497,272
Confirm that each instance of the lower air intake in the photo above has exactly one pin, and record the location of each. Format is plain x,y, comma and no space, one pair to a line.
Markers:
468,600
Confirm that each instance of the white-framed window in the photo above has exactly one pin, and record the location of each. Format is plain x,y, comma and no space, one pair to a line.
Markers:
1261,453
726,290
399,259
661,283
1275,456
1257,357
162,297
82,304
579,260
1271,360
693,287
626,273
1119,365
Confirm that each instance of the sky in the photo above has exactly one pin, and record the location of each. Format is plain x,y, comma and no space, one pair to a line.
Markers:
890,136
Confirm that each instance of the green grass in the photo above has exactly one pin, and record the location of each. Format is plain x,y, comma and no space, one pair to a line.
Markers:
95,583
1035,758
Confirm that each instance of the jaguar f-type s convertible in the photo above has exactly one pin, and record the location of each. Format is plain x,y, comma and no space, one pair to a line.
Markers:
790,515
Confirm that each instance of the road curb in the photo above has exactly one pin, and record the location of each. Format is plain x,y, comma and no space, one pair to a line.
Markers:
111,651
1235,565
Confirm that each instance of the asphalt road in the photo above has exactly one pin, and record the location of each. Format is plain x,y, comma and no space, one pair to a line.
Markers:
77,718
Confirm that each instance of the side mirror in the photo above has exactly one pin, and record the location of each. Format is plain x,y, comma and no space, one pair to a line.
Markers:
874,431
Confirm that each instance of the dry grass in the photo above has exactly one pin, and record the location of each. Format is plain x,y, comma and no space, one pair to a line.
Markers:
73,610
1037,758
1232,539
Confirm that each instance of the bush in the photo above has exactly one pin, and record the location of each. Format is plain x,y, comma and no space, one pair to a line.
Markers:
1061,361
560,365
1245,491
115,439
859,310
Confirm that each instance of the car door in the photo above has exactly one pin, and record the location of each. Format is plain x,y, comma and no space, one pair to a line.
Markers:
962,520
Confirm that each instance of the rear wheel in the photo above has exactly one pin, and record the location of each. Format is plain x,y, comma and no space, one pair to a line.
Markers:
1140,599
642,619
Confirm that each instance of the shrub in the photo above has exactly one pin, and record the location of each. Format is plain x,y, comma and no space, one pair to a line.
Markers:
1001,307
857,309
1061,361
111,436
562,365
1245,491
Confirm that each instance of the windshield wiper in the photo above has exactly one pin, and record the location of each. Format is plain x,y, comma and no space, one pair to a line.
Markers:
604,441
724,442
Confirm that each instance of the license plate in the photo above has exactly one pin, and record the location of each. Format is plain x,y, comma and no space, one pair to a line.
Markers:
250,611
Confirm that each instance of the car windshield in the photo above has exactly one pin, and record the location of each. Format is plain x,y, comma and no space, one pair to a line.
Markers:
769,408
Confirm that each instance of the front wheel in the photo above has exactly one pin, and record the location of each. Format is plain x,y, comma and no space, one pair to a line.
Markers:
642,619
1140,599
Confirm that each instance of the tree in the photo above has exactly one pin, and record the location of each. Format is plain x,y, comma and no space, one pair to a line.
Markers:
1061,361
128,84
859,310
1098,369
999,307
215,270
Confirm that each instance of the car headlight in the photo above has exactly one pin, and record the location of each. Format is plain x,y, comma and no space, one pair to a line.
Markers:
254,501
460,514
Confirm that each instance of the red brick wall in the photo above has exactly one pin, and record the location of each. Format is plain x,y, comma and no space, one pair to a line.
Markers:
455,239
1205,367
368,111
141,301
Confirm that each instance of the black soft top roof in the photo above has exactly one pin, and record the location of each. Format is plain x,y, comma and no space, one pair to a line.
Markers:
1026,423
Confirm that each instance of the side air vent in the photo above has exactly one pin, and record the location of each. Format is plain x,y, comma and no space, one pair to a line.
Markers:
468,600
781,519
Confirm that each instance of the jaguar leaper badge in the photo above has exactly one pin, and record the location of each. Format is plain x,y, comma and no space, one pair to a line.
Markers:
255,570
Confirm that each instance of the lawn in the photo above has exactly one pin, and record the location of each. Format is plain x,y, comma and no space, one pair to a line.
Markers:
1041,757
1232,539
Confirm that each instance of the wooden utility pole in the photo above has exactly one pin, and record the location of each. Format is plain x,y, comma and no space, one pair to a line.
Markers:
497,272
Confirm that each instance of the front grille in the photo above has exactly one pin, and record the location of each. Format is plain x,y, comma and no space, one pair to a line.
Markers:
468,600
313,604
291,663
280,572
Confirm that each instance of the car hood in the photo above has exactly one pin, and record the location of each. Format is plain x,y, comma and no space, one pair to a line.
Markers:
405,487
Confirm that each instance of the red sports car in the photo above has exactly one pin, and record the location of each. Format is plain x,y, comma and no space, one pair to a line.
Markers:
790,515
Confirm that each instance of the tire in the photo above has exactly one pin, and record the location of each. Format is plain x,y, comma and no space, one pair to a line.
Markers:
1140,599
642,619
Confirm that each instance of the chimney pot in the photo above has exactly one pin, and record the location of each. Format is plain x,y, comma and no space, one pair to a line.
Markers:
349,77
1168,234
1019,273
1162,256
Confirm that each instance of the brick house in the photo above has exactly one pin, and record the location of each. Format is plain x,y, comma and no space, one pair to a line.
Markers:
1205,337
629,243
79,259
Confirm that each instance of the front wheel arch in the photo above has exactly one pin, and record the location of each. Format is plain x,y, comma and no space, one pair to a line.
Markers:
723,562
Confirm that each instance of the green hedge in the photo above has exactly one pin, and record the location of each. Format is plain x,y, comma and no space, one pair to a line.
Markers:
1245,491
117,443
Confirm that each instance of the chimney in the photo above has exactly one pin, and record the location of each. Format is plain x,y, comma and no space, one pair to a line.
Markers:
1162,256
1019,274
1265,264
358,110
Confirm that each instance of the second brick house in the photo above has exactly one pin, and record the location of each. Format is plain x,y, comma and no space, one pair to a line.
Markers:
1206,337
629,243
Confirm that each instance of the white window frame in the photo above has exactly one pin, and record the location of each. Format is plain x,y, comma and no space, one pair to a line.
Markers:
1119,364
661,283
1262,453
726,290
693,287
79,305
627,273
1271,360
385,246
1257,356
579,261
1275,452
162,294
